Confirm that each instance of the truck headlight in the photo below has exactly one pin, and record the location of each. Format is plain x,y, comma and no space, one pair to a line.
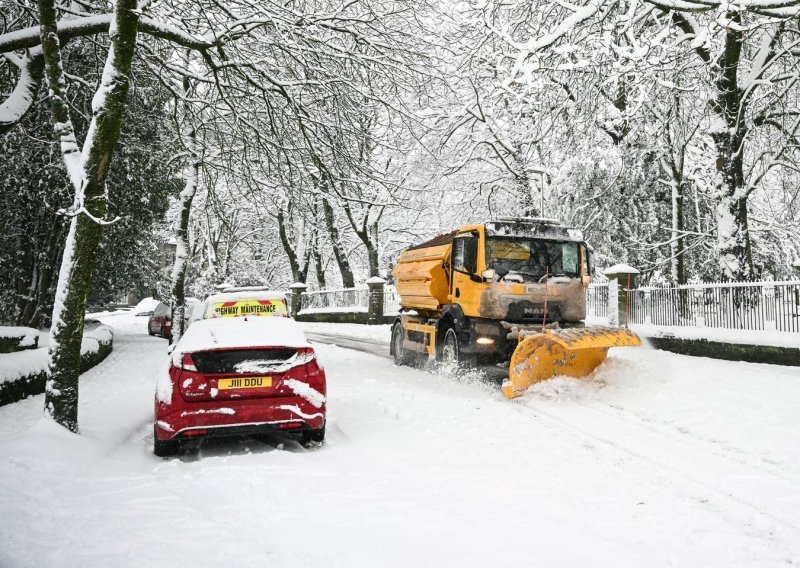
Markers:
484,341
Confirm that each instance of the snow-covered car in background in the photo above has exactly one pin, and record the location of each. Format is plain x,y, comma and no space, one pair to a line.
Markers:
160,321
237,377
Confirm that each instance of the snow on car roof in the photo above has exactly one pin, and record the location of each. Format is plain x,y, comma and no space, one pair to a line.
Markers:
228,333
146,305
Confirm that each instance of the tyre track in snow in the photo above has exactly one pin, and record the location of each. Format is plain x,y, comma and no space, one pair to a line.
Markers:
665,471
659,460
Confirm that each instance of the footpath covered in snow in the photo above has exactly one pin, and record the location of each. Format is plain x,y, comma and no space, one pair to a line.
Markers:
655,460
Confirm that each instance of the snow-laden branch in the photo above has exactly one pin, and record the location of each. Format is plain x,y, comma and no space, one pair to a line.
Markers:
92,25
31,72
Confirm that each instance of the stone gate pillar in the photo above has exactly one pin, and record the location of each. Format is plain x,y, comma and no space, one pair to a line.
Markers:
621,279
375,309
296,293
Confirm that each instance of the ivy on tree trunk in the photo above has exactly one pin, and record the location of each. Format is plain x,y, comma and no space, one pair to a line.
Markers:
88,171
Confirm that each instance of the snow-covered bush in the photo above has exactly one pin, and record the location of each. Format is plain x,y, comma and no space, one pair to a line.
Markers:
24,373
14,338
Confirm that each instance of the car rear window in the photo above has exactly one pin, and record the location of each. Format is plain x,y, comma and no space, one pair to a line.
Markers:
242,360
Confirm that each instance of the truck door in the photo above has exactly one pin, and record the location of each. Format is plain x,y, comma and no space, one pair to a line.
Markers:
463,290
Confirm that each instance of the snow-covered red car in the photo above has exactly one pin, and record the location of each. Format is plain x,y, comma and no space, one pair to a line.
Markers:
237,377
160,321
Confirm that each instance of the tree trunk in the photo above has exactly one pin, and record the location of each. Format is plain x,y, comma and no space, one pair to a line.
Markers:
317,254
299,272
348,281
677,244
182,237
371,242
88,173
728,133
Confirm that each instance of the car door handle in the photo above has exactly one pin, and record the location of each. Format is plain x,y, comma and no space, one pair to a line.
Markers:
458,293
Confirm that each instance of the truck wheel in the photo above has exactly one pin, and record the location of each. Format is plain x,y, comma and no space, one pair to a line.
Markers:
451,353
399,350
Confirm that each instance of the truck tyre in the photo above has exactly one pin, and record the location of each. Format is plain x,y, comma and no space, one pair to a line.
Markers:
401,357
451,351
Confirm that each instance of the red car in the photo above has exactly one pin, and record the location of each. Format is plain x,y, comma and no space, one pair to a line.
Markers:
160,321
239,377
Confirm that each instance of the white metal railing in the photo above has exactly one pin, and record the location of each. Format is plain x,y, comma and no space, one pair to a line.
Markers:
766,306
597,299
339,300
391,301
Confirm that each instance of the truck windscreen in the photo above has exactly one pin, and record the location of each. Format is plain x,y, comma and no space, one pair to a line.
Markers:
532,259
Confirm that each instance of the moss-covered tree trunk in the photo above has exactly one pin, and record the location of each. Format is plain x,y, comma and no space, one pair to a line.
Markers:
182,237
88,171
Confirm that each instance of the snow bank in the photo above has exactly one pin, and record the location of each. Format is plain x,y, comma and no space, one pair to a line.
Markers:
24,373
738,336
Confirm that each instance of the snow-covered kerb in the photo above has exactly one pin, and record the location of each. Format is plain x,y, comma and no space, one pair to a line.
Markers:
25,373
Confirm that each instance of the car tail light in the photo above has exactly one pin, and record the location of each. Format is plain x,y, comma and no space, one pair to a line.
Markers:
306,355
199,432
184,361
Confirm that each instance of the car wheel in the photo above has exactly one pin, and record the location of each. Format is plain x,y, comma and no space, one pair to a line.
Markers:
164,448
149,331
312,438
401,357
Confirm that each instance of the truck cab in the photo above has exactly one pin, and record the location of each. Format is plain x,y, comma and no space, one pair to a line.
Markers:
521,271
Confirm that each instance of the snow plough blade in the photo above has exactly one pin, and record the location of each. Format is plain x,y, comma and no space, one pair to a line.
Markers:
571,352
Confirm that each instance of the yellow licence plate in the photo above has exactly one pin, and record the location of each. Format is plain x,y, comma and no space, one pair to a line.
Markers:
244,383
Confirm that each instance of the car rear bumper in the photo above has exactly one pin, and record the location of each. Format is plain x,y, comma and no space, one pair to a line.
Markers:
182,420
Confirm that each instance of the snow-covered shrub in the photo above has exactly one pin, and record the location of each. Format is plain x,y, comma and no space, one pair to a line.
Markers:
14,338
24,374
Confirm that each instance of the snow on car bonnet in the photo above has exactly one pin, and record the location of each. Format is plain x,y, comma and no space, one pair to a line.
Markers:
229,333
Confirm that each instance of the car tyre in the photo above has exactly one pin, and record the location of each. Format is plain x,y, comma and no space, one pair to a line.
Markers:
311,438
164,448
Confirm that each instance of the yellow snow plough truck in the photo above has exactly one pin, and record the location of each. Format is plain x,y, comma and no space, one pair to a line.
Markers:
507,295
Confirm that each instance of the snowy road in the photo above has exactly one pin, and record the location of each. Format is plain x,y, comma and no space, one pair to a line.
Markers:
657,460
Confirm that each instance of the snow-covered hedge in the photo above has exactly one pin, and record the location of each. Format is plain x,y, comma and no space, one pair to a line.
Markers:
14,338
24,373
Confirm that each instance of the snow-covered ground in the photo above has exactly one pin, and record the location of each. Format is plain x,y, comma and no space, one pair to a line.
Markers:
656,460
